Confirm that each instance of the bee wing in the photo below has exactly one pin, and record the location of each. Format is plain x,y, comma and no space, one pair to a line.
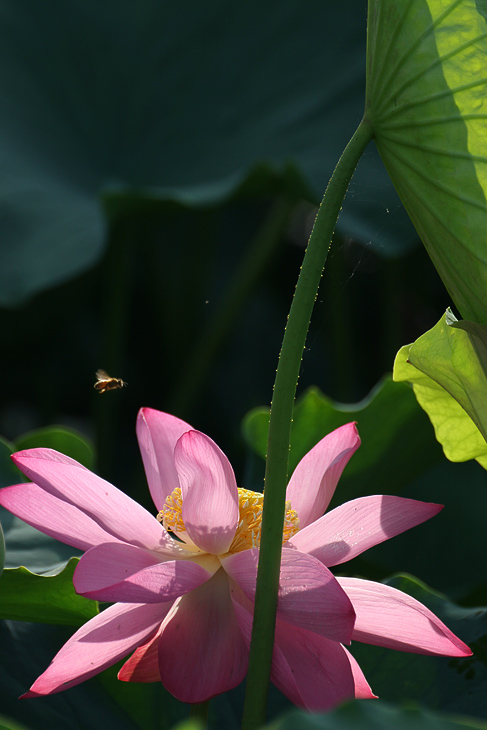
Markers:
102,375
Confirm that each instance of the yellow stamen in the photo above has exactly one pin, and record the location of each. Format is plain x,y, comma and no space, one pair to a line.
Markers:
248,530
170,514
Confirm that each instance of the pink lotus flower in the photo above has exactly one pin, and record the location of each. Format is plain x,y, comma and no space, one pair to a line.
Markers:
184,607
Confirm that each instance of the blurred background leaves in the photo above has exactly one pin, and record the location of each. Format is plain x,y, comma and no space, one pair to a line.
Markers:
150,106
145,149
365,715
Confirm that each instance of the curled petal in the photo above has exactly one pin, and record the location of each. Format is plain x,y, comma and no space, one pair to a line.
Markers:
118,572
355,526
111,509
158,433
201,649
314,480
143,665
309,595
362,687
209,489
98,644
388,617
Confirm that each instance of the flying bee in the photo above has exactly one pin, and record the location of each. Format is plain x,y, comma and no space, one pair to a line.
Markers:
104,382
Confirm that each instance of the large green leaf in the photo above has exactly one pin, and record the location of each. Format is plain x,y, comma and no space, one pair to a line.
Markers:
25,596
426,101
447,367
147,105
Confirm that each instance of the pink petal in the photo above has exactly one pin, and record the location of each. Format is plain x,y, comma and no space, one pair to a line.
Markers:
309,595
314,480
294,683
143,665
157,433
355,526
98,644
362,687
52,516
210,496
119,572
391,618
321,669
115,512
201,650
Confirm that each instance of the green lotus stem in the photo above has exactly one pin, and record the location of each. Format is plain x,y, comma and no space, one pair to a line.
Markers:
2,550
262,643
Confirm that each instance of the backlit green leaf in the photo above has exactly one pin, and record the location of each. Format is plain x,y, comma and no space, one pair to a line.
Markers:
427,103
447,367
